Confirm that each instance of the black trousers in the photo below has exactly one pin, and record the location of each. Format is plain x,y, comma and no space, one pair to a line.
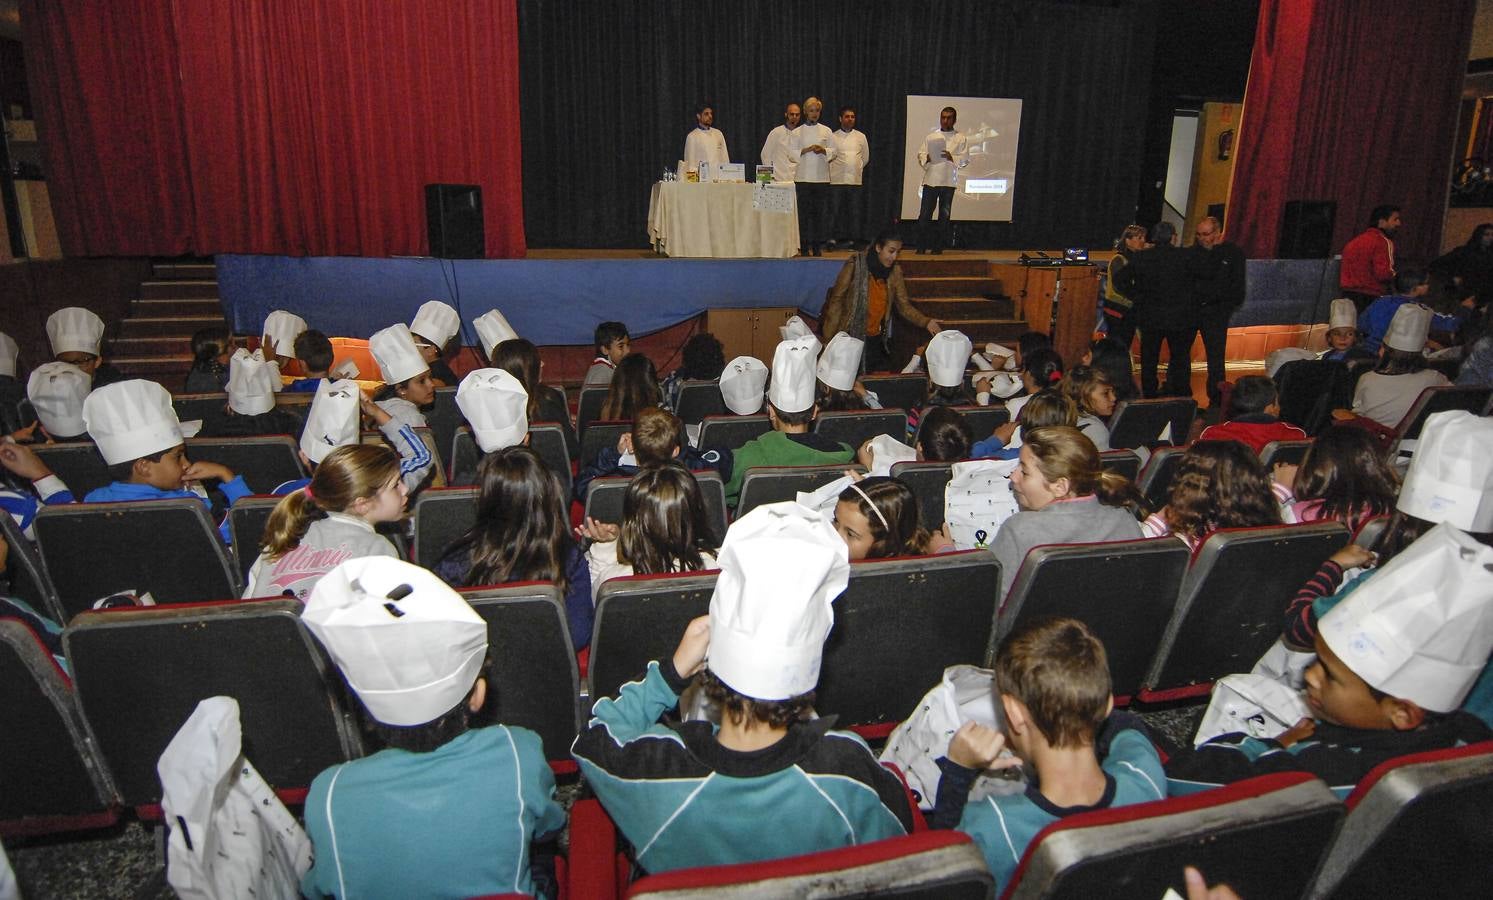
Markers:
1178,370
813,213
1121,329
1361,301
845,201
928,237
1214,326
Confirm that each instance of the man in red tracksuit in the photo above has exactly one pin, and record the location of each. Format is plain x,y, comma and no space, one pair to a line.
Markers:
1368,268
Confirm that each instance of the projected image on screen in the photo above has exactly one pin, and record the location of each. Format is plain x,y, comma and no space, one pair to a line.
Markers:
987,170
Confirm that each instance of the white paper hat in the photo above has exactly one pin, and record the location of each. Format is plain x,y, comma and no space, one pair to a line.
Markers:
492,330
497,407
251,383
1006,355
397,356
409,646
1421,628
1342,314
57,391
948,354
1450,478
794,328
887,451
436,322
1409,328
742,384
283,328
792,387
840,361
332,420
8,354
1282,355
131,419
73,329
1005,385
782,566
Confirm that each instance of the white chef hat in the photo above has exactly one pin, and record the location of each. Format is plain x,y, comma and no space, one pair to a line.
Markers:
131,419
887,451
57,391
1342,314
493,329
782,566
283,328
1005,385
794,328
1006,355
410,647
395,352
742,383
792,386
332,420
948,354
73,329
1282,355
251,383
1421,629
1409,328
840,361
1450,478
436,322
496,405
8,354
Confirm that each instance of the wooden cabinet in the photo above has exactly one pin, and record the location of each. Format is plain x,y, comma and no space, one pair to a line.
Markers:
748,332
1069,321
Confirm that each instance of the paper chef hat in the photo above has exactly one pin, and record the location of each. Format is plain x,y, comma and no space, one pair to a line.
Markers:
1005,385
8,354
1343,314
887,451
840,362
251,383
1409,328
496,405
73,329
410,647
283,328
492,330
436,322
332,420
1450,478
948,354
794,328
1421,629
1006,355
131,419
792,387
782,566
57,391
742,382
1282,355
397,356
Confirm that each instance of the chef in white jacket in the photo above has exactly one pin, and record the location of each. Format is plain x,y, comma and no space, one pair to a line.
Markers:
780,150
705,143
816,148
852,153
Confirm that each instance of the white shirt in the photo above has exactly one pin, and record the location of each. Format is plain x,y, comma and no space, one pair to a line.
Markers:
939,172
852,153
705,145
814,167
776,152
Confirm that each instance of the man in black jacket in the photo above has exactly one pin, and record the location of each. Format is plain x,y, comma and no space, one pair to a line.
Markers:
1159,282
1217,268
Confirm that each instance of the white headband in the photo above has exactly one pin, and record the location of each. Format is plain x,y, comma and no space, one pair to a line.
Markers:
857,488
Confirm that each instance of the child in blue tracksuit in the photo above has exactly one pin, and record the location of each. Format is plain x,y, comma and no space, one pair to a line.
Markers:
769,781
1046,407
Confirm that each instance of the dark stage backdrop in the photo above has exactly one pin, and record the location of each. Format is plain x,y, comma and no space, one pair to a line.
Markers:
608,92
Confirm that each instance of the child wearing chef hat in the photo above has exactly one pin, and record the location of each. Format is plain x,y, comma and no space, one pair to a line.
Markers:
433,327
408,388
333,421
77,336
839,371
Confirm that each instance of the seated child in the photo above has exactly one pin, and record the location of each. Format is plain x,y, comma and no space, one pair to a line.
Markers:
281,329
1052,680
57,391
743,382
1094,397
433,327
1395,660
612,344
251,406
878,517
791,409
1218,484
665,528
1343,343
496,406
839,369
1386,394
27,483
1412,287
657,437
520,358
702,359
1255,420
1041,369
315,352
137,433
211,348
407,385
694,794
945,436
634,385
1047,407
948,355
445,809
1343,476
76,335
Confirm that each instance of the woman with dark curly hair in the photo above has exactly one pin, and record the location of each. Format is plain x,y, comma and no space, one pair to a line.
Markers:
1218,484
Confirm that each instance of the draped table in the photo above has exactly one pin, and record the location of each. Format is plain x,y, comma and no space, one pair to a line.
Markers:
723,220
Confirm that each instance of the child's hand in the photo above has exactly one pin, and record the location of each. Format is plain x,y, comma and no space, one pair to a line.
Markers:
267,344
982,385
1005,432
23,461
624,443
597,531
202,471
689,658
1354,556
1197,887
934,326
859,388
853,475
26,434
976,747
372,410
1298,732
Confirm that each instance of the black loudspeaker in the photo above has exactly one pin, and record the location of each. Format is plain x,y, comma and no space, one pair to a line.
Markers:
1306,229
453,218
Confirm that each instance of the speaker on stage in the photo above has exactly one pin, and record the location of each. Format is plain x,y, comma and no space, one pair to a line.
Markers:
453,218
1306,229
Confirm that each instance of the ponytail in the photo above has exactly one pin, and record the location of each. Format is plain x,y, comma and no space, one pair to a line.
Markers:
288,523
1062,451
349,473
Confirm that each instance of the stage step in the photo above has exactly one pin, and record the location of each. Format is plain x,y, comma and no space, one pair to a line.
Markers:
942,267
952,286
165,308
966,307
982,331
169,370
179,289
162,345
168,269
167,326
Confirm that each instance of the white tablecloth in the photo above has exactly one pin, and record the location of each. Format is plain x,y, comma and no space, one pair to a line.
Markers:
718,220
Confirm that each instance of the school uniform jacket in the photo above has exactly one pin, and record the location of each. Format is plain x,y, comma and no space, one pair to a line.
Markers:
327,543
683,800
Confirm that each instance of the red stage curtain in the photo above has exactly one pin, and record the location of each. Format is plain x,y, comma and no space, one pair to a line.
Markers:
279,126
1353,101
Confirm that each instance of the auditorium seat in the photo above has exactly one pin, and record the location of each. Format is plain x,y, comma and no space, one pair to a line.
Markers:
599,435
139,673
1140,423
545,438
246,523
1289,453
1432,400
1310,389
167,547
443,417
78,464
856,426
698,399
588,407
927,481
29,580
198,406
983,420
1121,462
264,461
771,484
1123,590
896,391
1155,479
53,780
640,618
437,476
441,515
1417,826
1232,601
1263,837
730,432
604,499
